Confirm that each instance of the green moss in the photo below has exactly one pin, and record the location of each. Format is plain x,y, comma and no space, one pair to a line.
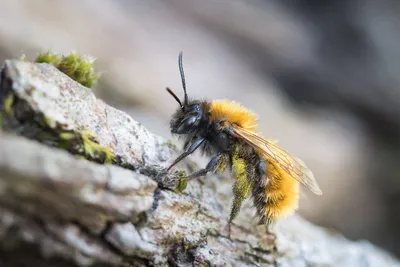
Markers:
83,143
8,102
189,245
49,57
139,220
181,181
65,140
49,122
48,131
17,115
94,150
67,136
76,67
170,145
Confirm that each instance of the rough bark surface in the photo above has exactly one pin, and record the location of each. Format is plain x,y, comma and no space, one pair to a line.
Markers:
62,206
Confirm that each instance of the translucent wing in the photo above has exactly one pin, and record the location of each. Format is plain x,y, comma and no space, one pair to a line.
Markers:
293,166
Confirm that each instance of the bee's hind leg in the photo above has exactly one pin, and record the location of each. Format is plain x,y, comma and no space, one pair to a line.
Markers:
216,165
235,208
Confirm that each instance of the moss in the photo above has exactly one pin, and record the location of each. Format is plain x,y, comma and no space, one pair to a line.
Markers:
49,122
181,181
189,245
8,102
67,135
18,116
170,145
180,174
83,143
49,57
76,67
94,150
139,220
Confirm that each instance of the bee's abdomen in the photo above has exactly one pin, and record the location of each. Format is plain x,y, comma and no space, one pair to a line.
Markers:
275,193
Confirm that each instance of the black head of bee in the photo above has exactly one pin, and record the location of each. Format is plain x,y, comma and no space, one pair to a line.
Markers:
192,121
191,115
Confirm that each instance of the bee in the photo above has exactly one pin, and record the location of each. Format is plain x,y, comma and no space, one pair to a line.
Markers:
227,131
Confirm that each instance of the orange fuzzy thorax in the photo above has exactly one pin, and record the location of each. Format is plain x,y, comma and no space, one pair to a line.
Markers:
282,193
233,112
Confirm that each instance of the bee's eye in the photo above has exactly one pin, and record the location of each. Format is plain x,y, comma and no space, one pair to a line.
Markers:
197,108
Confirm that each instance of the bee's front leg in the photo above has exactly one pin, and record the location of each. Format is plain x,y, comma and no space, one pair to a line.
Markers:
195,145
216,165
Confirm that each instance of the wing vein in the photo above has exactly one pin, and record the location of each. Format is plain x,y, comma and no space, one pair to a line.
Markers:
295,167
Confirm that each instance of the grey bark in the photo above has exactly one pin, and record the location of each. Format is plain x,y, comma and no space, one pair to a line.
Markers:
62,207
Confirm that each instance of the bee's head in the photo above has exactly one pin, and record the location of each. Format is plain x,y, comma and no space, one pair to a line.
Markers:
190,113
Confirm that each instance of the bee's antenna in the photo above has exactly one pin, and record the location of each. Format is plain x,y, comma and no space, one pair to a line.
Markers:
176,98
183,78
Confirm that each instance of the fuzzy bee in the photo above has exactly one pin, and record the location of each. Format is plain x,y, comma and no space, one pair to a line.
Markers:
227,131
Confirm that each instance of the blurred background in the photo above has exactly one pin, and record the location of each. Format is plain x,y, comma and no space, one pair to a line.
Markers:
322,75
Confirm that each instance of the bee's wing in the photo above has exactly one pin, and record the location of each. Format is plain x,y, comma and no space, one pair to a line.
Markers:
293,166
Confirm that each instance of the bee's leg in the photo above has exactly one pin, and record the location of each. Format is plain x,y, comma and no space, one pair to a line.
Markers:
236,205
216,165
241,188
195,145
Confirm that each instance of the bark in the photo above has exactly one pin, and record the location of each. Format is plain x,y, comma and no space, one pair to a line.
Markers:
82,183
